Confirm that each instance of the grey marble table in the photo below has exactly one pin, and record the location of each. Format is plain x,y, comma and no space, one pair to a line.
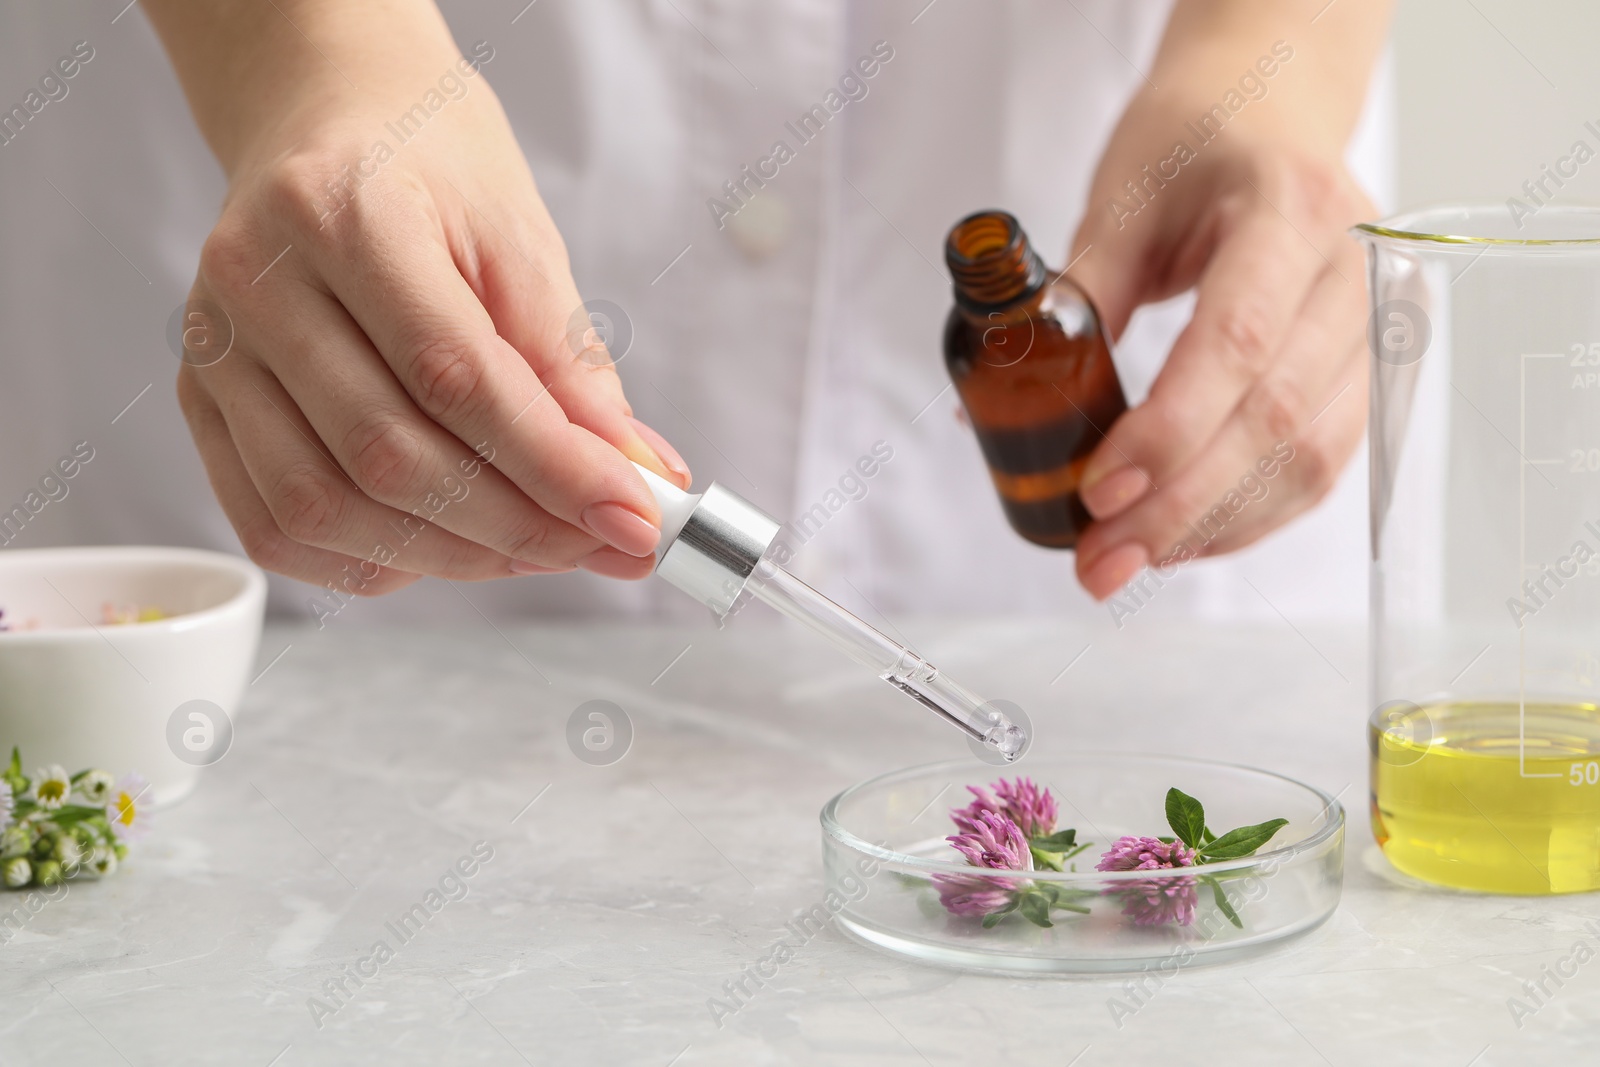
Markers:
606,905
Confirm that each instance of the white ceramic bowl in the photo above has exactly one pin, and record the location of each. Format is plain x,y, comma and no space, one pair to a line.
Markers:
83,694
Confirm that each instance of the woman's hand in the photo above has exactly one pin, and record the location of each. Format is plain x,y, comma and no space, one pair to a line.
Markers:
412,387
1263,397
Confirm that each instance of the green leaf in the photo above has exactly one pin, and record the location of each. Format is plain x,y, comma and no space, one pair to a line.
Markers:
1052,852
71,814
1060,841
1243,841
13,774
1035,908
1186,817
1056,894
1043,860
1059,896
1222,901
1206,836
994,918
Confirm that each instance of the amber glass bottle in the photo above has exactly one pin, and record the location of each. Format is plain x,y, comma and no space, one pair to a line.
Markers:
1030,360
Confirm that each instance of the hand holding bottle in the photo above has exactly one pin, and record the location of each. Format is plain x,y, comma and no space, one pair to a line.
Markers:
1254,219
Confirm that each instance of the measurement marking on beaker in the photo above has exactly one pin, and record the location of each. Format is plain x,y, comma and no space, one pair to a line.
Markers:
1522,554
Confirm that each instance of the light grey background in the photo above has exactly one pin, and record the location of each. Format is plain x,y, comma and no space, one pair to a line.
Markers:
1491,89
1477,119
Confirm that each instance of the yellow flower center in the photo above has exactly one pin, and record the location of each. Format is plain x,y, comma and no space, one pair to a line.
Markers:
125,811
52,789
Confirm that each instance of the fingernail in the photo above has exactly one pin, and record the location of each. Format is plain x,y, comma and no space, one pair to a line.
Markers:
519,567
1113,570
668,455
1114,493
621,528
613,564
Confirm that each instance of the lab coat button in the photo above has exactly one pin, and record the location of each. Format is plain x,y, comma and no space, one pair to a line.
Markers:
761,227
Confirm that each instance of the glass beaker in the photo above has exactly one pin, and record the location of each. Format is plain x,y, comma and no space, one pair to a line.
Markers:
1485,512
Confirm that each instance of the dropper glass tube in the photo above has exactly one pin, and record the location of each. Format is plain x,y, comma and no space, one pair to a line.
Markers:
893,662
715,546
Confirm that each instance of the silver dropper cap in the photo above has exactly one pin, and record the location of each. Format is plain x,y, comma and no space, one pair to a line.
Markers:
714,541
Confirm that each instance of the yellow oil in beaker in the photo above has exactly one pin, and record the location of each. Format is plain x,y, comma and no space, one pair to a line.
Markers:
1489,796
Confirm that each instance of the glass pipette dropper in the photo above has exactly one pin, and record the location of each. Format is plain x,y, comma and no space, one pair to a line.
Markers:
714,546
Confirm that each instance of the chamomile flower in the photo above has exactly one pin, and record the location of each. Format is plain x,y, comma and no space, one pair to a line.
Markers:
129,809
16,871
55,827
51,787
95,787
15,841
68,851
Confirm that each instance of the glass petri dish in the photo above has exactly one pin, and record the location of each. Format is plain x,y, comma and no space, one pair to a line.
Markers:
886,862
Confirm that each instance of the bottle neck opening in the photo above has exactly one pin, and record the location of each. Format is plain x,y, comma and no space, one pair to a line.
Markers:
991,262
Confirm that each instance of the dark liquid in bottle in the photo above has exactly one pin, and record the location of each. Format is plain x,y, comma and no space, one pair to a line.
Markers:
1034,372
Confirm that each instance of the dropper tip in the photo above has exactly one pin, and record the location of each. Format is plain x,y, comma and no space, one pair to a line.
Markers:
1008,739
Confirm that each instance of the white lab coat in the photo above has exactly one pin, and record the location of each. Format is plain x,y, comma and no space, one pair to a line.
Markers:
775,346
